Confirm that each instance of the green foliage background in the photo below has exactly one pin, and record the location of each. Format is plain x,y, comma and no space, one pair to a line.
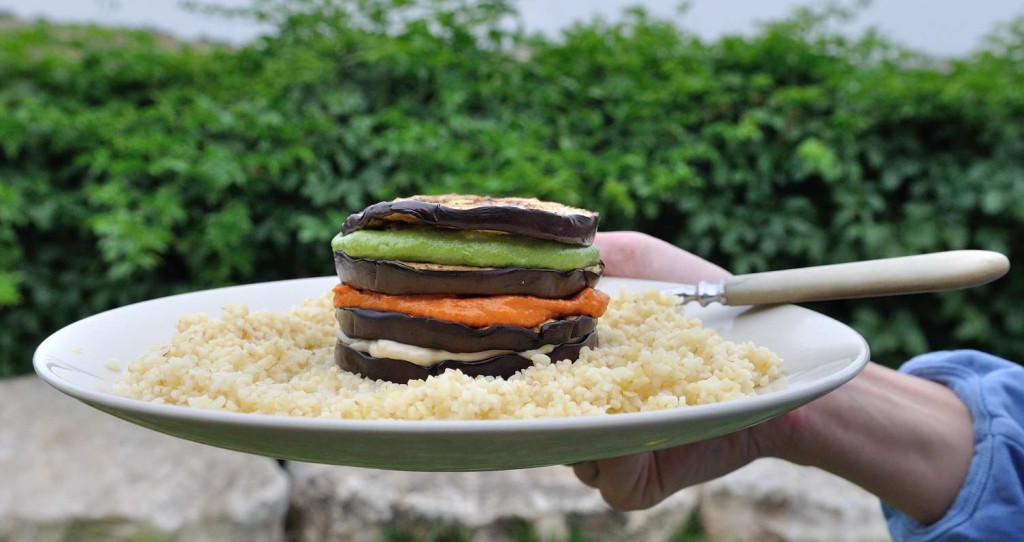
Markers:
132,166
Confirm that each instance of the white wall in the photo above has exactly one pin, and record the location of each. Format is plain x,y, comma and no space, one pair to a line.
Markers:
944,27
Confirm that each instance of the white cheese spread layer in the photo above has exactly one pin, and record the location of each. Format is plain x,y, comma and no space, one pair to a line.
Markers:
425,357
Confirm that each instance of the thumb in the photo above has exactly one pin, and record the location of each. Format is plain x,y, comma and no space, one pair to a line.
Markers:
638,255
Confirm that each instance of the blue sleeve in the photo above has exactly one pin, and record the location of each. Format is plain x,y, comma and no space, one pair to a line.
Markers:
990,505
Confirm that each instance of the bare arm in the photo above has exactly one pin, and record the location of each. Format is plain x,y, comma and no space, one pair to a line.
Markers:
906,439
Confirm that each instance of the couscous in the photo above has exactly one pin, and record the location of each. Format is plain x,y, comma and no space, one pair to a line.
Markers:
650,357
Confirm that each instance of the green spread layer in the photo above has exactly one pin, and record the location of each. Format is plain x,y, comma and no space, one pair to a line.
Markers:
460,247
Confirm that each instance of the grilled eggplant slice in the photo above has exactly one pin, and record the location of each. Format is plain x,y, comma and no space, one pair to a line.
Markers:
455,337
402,372
401,278
523,216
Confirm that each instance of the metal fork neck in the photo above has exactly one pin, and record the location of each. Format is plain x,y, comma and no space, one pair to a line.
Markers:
704,293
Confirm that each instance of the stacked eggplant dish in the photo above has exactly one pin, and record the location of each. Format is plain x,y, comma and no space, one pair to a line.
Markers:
455,307
479,284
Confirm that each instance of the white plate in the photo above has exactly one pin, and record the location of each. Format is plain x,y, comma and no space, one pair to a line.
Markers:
819,354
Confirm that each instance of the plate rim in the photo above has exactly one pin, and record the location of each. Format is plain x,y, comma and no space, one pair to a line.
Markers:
41,361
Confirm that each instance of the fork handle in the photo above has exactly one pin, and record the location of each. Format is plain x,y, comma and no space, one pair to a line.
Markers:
873,278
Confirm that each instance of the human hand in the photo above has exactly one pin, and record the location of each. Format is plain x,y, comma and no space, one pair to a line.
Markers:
643,480
908,440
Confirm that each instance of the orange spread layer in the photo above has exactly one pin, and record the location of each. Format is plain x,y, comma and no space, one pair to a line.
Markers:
510,310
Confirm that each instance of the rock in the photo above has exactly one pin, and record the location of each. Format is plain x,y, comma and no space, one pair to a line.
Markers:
362,505
69,472
771,499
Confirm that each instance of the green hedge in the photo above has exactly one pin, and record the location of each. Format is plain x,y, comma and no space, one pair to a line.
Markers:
133,166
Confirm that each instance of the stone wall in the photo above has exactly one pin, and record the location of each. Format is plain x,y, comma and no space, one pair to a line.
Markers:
68,472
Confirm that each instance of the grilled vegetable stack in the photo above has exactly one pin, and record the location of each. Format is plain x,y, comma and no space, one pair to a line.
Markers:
479,284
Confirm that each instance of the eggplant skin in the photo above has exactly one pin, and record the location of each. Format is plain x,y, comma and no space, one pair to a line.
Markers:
455,337
521,216
399,278
401,372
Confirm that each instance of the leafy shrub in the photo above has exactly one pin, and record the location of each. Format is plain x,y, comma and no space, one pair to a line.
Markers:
133,166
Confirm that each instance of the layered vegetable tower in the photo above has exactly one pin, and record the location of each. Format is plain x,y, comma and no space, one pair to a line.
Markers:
484,285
